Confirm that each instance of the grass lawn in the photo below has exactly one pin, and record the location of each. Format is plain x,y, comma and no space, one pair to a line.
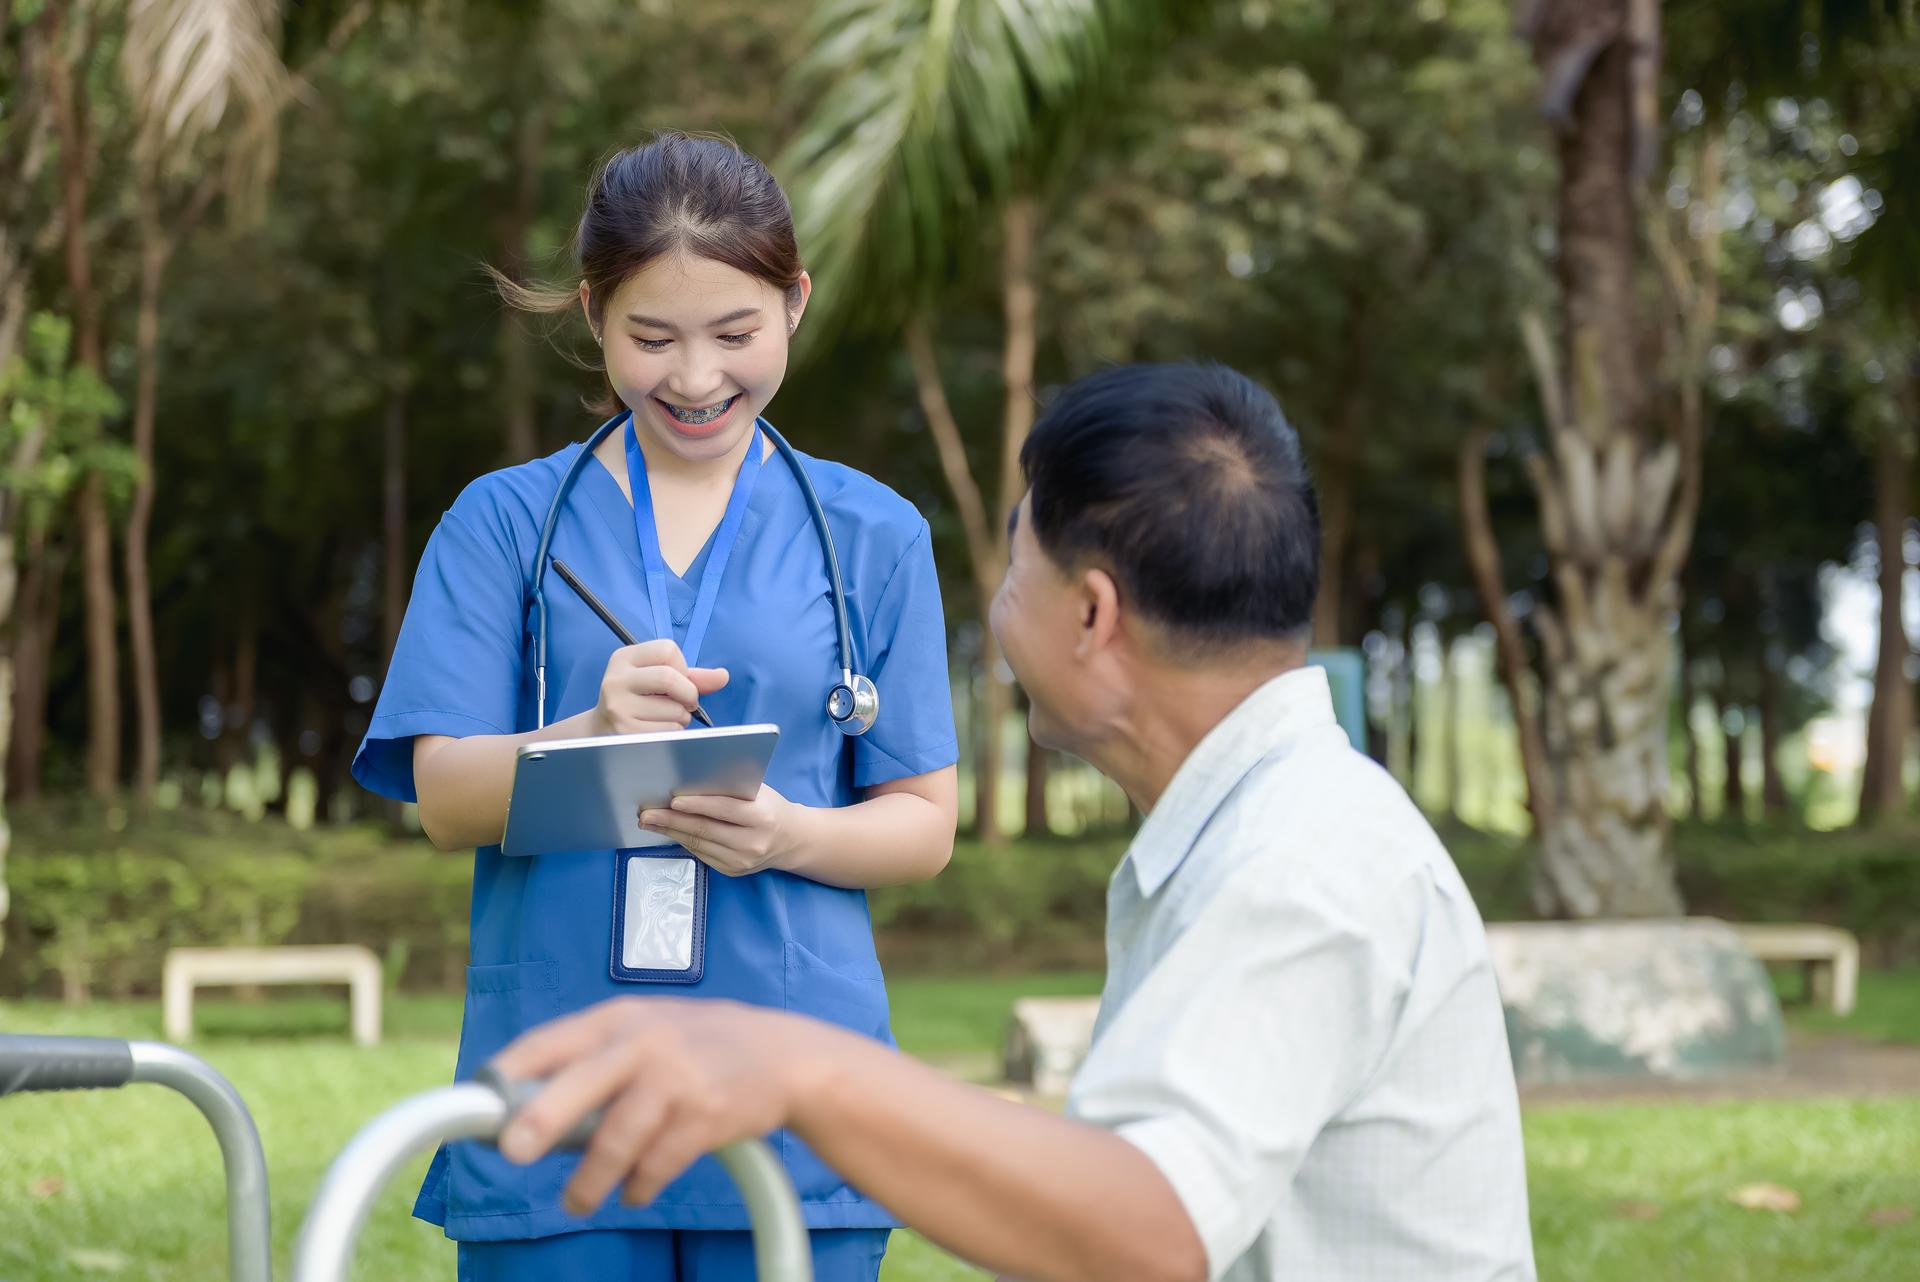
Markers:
127,1184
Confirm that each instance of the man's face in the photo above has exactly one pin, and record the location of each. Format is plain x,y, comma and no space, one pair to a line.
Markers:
1042,617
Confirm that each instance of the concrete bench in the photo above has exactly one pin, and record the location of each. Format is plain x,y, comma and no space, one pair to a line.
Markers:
1046,1040
1829,956
189,968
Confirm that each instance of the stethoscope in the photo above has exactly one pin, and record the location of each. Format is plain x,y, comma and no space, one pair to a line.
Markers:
852,705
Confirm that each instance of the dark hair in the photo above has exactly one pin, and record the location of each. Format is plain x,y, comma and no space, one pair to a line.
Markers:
678,193
1186,483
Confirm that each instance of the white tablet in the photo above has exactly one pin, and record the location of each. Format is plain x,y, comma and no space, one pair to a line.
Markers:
586,794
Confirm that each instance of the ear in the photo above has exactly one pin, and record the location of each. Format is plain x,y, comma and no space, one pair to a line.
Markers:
1099,606
797,301
588,310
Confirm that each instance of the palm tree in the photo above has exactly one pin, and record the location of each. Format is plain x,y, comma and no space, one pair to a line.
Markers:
932,121
1617,495
186,64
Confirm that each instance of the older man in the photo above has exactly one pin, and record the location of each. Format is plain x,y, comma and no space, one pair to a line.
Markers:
1300,1068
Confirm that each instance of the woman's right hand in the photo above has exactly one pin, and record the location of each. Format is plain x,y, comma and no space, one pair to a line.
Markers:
649,687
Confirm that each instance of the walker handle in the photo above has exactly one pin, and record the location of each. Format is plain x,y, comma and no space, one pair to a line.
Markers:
34,1063
480,1110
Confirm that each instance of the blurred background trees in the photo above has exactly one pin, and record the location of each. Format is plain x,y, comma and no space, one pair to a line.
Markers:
1598,320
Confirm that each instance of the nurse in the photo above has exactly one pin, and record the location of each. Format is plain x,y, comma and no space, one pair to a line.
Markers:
697,534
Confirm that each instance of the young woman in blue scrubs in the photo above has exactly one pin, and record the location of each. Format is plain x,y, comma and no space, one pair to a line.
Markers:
692,286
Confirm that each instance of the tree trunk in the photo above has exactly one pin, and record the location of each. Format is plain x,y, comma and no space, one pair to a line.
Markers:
1450,718
1596,267
1616,511
987,532
1406,695
238,734
1606,733
1733,742
36,625
146,668
103,675
1337,480
1773,790
103,656
393,517
1883,784
996,700
1039,821
1336,521
516,375
9,583
1483,561
1696,807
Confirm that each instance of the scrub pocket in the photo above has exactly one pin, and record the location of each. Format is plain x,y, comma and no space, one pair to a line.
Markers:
659,918
855,998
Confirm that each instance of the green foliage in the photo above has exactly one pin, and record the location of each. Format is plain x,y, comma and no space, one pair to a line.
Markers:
921,116
1025,903
95,908
51,424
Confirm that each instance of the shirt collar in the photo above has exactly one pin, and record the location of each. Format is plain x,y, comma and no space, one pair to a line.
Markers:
1272,717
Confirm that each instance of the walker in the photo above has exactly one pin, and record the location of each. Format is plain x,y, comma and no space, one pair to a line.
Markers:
477,1110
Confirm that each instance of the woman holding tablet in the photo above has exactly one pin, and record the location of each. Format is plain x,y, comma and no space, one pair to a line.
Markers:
765,586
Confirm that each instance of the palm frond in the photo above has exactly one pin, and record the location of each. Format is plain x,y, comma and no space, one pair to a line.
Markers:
187,63
923,114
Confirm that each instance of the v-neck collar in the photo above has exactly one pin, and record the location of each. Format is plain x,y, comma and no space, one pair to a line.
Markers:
611,502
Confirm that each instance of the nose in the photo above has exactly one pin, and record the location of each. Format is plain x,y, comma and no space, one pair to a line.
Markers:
698,376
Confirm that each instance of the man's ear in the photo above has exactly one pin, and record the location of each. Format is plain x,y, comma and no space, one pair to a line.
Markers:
1099,607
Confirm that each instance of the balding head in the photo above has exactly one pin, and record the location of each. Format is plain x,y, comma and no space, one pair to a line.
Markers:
1186,484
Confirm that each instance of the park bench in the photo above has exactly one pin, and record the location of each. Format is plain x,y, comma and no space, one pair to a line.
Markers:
188,968
1046,1040
1828,955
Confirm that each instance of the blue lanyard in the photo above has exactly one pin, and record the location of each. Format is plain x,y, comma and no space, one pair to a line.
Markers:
656,565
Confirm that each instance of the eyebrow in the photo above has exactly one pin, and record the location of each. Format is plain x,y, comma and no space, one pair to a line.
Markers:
653,322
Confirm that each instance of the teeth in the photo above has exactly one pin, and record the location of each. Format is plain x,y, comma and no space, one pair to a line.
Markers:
695,418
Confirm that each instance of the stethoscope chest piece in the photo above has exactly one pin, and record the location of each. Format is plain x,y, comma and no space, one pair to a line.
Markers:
853,704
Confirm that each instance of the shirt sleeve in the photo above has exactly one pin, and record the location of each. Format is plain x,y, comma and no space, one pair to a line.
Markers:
1252,1034
907,661
456,665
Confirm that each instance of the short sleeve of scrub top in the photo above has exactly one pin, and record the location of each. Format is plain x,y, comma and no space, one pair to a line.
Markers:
914,734
456,667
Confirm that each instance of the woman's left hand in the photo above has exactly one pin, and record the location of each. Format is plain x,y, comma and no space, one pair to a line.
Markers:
732,836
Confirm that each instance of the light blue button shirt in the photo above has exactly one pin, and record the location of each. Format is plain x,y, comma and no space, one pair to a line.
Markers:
1300,1025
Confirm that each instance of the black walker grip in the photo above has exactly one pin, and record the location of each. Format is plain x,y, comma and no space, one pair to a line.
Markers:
33,1063
517,1094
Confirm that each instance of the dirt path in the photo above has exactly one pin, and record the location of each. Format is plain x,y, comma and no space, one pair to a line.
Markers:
1817,1064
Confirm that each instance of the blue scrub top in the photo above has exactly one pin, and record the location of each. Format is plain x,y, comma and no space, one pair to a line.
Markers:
542,928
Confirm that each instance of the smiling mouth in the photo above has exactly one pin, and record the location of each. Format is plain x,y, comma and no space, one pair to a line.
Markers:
699,417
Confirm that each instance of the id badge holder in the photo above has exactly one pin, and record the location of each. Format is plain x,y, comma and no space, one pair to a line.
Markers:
659,917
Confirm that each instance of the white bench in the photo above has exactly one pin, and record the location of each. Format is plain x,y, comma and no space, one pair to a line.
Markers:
1829,955
1046,1040
189,968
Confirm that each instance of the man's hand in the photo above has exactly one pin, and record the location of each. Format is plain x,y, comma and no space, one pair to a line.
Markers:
677,1079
